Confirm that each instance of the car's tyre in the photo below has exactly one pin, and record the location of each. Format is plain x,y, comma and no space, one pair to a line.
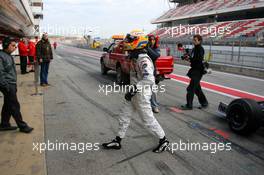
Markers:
104,69
244,116
120,75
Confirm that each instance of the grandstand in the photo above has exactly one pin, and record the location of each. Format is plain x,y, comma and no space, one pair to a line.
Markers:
218,20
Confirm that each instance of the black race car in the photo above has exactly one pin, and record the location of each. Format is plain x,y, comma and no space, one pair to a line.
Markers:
244,116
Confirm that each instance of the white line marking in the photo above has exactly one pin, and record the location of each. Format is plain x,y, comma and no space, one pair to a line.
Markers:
59,56
220,93
224,87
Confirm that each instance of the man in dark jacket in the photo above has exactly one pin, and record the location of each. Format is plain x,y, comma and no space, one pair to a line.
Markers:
196,73
8,86
44,56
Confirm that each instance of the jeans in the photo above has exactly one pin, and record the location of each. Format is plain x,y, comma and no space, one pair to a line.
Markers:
11,107
153,100
44,71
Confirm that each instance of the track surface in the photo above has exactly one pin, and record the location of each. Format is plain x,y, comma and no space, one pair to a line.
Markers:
75,111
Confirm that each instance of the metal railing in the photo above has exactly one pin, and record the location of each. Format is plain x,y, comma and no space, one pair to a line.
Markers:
230,52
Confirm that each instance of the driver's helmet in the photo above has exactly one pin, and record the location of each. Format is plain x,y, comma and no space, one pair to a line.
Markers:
135,40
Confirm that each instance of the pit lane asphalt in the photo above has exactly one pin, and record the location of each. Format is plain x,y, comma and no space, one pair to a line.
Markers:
75,111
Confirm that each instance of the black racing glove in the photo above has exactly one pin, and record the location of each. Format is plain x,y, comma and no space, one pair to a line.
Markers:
132,92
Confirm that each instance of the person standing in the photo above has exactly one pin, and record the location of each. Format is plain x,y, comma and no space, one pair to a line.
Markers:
55,45
31,54
180,50
195,74
154,53
44,57
8,86
23,53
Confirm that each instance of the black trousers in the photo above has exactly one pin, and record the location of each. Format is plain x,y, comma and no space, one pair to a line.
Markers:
11,107
195,88
31,60
23,64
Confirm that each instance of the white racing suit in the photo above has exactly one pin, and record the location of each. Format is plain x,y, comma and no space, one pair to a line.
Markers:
141,75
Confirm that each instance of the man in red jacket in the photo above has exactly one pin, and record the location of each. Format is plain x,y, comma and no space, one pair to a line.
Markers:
55,45
31,54
23,53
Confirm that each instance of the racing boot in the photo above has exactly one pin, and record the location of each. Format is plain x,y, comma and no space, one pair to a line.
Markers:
163,144
114,144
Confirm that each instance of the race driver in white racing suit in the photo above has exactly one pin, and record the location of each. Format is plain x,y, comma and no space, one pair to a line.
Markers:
138,98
